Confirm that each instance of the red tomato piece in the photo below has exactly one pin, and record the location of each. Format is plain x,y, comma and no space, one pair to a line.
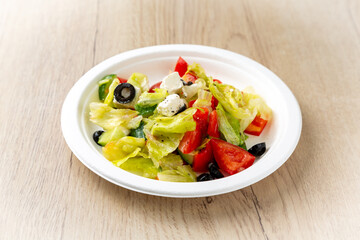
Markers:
122,80
189,77
181,66
156,85
202,159
256,126
191,103
213,129
217,80
230,158
193,139
214,102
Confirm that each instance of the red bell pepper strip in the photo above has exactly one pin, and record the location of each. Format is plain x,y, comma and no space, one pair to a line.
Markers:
191,103
217,80
256,126
202,159
214,102
230,158
156,85
181,66
122,80
213,129
193,139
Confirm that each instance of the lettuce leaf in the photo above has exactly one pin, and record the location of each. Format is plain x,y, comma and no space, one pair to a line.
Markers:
181,174
199,72
139,80
229,127
160,146
204,99
256,103
179,123
147,99
121,150
140,166
110,96
109,118
171,161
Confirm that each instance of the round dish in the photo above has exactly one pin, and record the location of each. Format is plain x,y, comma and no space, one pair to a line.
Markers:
281,135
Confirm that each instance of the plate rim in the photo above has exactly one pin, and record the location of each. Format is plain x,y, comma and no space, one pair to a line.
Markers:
161,188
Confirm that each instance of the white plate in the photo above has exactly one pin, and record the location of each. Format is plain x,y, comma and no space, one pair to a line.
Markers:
281,134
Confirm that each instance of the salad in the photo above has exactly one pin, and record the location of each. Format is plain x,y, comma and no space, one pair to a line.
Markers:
188,127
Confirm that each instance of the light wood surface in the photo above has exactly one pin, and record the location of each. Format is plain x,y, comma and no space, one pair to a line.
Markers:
46,46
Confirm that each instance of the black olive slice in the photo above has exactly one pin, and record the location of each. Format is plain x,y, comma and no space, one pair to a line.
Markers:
214,171
183,108
124,93
186,83
258,149
204,177
97,135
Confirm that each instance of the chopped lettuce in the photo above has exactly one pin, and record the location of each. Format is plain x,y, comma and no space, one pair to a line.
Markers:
171,161
256,103
199,72
150,99
121,150
140,166
160,146
139,80
179,123
104,85
110,96
181,174
231,99
229,127
109,118
113,135
204,99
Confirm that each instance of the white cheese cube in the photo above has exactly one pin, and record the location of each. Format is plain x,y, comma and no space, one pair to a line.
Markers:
171,105
172,83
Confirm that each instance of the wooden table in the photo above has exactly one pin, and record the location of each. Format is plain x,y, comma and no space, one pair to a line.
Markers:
46,46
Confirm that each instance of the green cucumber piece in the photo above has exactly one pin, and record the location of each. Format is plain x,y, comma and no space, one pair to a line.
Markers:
189,158
138,132
104,85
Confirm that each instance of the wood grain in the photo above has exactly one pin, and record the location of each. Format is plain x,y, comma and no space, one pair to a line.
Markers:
46,193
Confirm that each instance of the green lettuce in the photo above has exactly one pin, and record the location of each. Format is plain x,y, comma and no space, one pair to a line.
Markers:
139,80
147,99
171,161
121,150
199,72
110,96
179,123
204,99
229,127
109,118
140,166
160,146
181,174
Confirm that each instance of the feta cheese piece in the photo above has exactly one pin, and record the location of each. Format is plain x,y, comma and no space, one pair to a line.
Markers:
172,83
171,105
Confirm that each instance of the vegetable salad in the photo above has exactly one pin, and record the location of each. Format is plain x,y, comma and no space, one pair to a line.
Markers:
188,127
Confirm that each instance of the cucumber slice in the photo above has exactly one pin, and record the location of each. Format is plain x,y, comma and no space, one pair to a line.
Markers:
113,135
189,158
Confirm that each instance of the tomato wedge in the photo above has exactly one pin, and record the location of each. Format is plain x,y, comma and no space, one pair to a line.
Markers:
256,126
230,158
202,159
181,66
156,85
193,139
189,77
213,129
